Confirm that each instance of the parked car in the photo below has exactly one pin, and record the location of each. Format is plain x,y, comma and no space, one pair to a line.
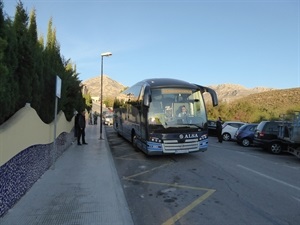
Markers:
212,127
108,120
266,136
245,134
229,128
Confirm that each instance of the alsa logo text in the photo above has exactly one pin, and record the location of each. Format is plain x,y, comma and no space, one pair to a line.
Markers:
187,136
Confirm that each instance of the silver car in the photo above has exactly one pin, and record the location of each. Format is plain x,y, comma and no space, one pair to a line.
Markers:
229,129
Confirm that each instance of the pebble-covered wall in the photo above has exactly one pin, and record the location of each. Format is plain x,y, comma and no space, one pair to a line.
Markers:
19,174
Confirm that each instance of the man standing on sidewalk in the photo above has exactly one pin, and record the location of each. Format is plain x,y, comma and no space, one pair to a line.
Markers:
81,128
219,129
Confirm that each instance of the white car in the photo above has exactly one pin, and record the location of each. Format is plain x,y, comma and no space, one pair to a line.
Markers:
108,120
229,128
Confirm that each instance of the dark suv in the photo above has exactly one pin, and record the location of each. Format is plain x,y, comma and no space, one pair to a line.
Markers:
266,136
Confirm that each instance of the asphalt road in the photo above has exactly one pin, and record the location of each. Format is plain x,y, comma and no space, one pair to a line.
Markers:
228,184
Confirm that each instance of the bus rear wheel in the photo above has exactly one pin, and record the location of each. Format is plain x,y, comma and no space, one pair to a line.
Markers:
134,142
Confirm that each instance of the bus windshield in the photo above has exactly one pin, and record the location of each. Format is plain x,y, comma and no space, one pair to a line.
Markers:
176,108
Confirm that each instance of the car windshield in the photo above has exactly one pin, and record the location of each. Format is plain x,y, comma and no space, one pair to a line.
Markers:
243,127
260,126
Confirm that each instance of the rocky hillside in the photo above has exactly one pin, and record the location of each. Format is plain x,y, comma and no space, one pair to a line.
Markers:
231,92
283,98
268,105
111,88
226,92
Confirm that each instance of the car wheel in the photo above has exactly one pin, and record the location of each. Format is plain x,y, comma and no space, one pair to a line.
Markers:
275,148
226,137
246,142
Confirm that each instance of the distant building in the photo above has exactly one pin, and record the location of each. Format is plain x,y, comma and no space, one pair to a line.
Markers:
95,99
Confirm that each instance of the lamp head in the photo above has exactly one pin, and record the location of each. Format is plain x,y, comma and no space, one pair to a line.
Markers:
106,54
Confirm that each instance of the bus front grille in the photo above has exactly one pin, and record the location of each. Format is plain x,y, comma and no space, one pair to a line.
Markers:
173,146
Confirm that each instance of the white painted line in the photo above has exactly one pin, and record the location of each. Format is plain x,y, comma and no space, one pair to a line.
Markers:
293,167
270,178
297,199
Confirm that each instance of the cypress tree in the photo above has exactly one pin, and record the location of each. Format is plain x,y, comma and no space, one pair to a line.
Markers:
53,66
28,69
23,72
8,60
36,70
70,89
4,84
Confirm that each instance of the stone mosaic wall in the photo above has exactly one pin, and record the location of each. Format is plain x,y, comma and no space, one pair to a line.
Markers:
19,174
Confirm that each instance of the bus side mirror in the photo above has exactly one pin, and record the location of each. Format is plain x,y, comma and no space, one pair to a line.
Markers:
212,93
214,96
146,97
146,100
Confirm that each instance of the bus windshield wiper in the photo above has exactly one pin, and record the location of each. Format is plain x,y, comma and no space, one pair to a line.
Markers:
192,124
184,125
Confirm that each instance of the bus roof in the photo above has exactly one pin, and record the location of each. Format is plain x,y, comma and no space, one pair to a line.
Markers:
162,82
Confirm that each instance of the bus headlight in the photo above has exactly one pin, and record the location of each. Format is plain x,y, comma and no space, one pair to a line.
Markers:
155,139
203,137
154,120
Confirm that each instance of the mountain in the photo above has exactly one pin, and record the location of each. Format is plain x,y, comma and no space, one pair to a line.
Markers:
225,92
231,92
283,98
269,105
246,104
111,88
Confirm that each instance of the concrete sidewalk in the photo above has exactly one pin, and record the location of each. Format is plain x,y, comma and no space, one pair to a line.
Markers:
82,189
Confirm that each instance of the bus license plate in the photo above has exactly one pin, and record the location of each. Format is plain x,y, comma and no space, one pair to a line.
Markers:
181,151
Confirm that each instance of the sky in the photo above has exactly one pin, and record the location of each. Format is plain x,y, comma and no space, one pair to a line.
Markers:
253,43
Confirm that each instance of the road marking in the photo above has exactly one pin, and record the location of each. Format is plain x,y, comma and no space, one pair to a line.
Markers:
183,212
170,184
147,171
128,155
297,199
187,209
130,159
293,167
270,178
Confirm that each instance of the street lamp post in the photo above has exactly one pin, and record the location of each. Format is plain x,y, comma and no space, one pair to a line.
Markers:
105,54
